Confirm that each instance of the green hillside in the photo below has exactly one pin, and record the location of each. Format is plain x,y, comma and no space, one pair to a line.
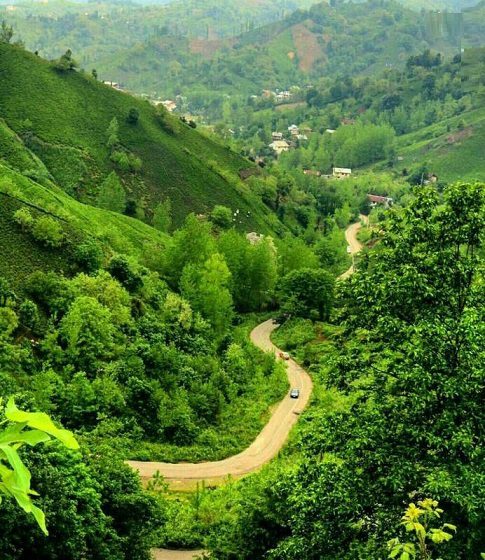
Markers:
61,119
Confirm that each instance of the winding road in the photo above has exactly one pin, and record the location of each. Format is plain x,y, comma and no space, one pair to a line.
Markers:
266,445
269,441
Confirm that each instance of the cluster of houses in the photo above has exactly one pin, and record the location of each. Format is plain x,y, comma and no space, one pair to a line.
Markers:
277,96
282,143
337,173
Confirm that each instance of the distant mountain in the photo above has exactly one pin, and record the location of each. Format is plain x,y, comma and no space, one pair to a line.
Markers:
347,39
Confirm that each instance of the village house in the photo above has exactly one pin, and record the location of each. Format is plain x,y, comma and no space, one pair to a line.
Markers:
283,96
169,105
377,200
114,85
302,137
277,135
341,172
279,146
312,172
293,130
330,131
254,238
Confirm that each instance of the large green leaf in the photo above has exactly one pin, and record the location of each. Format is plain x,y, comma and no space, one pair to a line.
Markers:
14,434
40,421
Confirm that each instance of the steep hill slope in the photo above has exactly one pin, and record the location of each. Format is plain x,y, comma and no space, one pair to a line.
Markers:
61,118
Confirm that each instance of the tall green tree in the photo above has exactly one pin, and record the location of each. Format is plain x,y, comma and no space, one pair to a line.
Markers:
111,195
207,290
307,293
192,244
162,217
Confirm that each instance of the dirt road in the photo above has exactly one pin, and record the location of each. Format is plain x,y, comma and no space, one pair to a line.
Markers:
161,554
354,244
269,441
266,445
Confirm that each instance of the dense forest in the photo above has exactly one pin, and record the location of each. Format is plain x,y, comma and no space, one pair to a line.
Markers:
141,250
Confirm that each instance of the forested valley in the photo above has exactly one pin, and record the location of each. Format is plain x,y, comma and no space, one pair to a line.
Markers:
302,330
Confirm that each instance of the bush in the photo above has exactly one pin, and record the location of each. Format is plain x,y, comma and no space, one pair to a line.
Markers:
221,216
48,231
24,218
89,256
133,116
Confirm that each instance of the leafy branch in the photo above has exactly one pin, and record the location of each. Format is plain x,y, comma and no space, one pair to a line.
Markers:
417,520
25,428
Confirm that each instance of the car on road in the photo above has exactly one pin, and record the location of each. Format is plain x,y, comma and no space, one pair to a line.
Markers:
294,393
349,249
284,355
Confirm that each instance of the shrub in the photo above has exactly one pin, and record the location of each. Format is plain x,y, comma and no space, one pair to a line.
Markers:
48,231
133,116
24,218
221,216
89,255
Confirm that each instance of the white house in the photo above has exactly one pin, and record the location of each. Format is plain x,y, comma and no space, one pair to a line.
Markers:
279,146
342,172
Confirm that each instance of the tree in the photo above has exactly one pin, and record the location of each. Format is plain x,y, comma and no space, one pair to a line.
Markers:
112,134
111,195
66,62
6,32
48,231
192,244
94,73
221,216
24,218
89,333
7,295
294,254
89,255
133,116
8,321
206,287
25,428
307,293
162,217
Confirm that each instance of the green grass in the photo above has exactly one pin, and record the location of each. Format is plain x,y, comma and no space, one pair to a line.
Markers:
21,255
70,113
453,155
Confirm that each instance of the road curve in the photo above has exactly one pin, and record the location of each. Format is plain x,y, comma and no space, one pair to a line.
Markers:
266,445
273,436
269,441
352,242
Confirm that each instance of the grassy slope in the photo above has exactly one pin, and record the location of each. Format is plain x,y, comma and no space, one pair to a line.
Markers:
21,255
70,114
451,155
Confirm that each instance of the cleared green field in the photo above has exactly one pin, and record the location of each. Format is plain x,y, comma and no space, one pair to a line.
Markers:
454,154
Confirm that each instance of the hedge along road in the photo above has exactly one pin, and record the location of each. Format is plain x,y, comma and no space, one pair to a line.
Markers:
273,436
